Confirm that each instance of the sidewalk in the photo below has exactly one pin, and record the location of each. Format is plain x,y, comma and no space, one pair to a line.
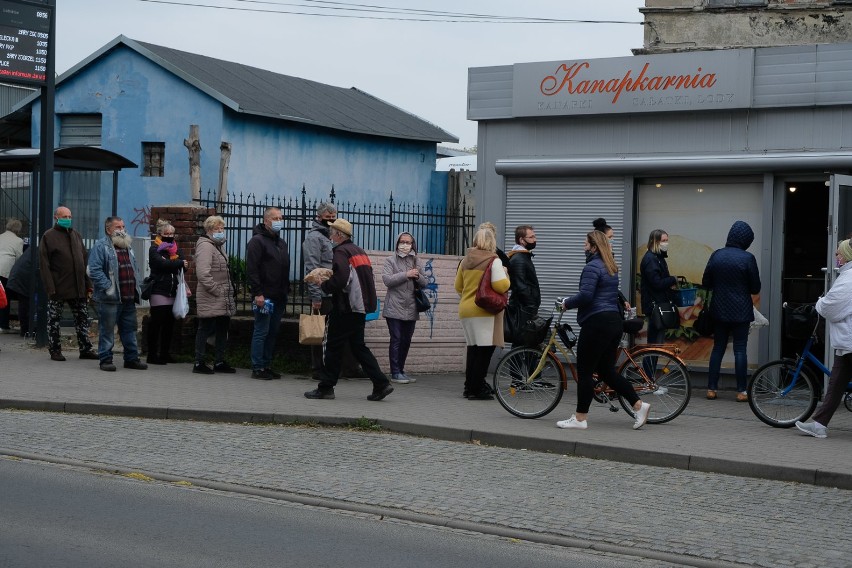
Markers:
720,436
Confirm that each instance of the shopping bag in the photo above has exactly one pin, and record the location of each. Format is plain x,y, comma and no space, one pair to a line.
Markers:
311,328
181,305
4,301
374,315
759,319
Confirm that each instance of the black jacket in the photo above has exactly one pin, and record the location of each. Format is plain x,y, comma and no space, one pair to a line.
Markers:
525,289
268,265
164,271
656,282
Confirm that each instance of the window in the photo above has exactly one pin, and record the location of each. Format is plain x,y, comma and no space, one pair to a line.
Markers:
80,129
153,159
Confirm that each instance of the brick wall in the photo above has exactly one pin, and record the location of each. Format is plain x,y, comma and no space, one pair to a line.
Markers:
438,344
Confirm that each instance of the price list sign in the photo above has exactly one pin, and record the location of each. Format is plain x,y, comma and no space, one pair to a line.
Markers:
24,41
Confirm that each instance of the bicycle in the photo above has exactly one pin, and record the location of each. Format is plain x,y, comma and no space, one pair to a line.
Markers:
529,381
784,391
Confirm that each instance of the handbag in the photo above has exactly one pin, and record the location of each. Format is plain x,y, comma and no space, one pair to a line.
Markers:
311,328
181,305
664,315
487,298
147,287
421,301
4,301
704,323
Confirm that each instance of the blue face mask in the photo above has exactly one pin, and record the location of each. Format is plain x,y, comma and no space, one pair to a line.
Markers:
277,226
218,236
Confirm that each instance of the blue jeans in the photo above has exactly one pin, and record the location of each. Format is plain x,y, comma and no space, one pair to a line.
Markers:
123,315
264,336
721,332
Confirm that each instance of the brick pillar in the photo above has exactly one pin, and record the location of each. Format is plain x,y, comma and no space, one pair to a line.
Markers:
188,221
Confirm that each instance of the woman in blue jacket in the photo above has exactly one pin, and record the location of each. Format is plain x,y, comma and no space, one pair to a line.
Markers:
732,275
599,316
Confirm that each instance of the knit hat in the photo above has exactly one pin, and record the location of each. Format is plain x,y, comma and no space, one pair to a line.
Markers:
845,250
343,226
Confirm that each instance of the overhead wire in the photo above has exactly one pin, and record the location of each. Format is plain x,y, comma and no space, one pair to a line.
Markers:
413,14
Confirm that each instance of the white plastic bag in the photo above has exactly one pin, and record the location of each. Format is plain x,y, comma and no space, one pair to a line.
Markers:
181,305
759,319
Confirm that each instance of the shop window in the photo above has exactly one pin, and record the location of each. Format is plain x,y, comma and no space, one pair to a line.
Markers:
153,159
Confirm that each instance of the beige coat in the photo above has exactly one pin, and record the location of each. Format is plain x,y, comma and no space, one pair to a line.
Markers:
214,295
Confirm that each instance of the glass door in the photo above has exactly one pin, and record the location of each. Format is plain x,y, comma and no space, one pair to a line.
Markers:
839,229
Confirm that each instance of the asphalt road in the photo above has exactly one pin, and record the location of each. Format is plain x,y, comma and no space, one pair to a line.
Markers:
695,518
54,515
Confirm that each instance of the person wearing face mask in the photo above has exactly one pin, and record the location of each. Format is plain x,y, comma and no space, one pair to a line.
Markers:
268,270
214,296
113,270
402,271
525,296
601,225
62,264
836,308
732,275
165,262
655,281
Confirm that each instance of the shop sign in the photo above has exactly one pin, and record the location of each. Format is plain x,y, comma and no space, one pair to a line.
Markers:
656,83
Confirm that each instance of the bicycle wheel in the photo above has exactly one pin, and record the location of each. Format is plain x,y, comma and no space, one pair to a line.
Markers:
768,401
669,389
521,396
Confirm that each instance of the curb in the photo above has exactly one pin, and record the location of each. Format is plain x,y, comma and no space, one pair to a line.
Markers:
571,448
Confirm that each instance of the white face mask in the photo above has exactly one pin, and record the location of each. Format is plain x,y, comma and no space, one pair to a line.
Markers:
404,248
664,246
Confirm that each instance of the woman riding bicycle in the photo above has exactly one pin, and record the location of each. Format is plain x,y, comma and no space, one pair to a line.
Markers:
836,308
600,320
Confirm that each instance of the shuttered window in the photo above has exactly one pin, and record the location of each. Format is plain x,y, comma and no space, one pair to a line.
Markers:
562,210
80,130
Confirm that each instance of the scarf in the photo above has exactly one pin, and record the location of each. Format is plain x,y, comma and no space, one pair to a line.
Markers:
170,248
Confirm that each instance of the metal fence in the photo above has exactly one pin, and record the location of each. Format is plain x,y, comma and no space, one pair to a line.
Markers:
438,230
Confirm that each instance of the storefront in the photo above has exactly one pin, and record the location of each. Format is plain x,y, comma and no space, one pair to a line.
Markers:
686,142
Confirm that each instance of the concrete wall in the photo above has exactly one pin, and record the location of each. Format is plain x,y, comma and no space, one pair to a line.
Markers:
683,25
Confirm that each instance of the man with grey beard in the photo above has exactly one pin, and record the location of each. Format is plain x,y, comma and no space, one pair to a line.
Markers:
112,268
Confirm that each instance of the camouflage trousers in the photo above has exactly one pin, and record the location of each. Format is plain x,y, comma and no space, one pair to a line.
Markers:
80,309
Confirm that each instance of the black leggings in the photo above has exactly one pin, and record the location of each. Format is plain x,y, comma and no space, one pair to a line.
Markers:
161,326
596,348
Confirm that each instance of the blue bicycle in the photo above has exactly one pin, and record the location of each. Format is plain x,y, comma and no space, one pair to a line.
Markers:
784,391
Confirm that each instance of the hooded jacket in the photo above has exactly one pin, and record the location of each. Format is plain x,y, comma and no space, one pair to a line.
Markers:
352,284
836,308
732,275
399,300
268,265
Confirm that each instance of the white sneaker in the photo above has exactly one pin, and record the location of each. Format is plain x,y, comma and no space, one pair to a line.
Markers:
573,423
642,415
814,429
399,378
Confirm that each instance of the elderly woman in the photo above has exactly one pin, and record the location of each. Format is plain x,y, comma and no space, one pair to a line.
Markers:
402,271
214,296
483,331
11,249
166,263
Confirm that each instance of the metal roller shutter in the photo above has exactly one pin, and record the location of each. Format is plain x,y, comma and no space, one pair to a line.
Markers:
562,210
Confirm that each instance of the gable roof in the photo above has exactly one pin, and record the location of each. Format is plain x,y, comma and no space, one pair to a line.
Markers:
259,92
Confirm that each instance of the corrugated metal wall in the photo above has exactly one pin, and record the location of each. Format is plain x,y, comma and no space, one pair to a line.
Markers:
562,210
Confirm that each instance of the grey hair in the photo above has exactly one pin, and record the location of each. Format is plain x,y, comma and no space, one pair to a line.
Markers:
212,222
269,211
324,208
109,221
13,225
163,225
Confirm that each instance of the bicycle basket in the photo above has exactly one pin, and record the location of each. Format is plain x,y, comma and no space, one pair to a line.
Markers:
799,320
535,331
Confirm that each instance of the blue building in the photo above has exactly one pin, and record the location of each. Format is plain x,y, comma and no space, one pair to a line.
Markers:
139,100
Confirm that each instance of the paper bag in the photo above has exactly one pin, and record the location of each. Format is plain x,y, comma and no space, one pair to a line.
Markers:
311,328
